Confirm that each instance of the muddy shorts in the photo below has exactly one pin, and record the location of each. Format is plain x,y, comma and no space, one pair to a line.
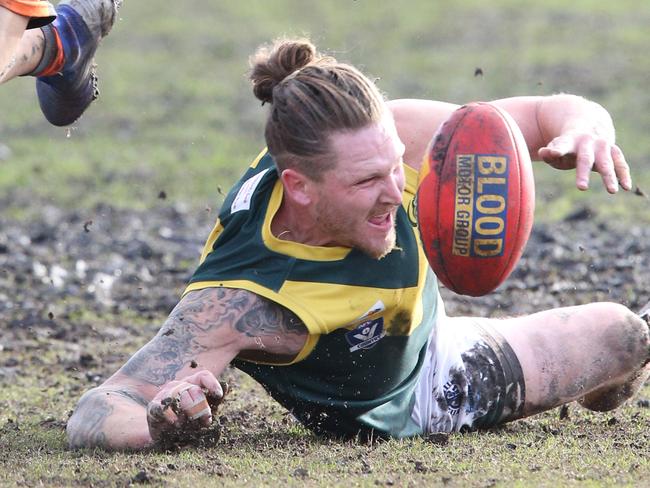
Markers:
470,379
40,12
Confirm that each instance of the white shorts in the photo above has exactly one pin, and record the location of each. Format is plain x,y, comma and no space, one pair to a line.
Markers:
470,379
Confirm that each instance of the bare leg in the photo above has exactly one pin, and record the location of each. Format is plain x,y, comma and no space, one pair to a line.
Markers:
26,57
12,27
597,352
608,398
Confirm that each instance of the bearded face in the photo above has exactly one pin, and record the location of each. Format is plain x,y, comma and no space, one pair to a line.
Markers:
357,201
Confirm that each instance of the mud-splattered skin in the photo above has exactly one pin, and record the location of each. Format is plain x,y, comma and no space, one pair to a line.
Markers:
203,329
88,430
637,340
18,64
595,351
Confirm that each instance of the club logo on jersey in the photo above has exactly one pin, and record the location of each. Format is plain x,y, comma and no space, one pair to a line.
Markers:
366,335
454,397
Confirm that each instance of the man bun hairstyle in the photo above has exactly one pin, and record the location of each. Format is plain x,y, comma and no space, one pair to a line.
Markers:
311,97
271,64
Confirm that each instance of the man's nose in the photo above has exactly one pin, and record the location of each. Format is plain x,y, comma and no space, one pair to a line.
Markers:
394,189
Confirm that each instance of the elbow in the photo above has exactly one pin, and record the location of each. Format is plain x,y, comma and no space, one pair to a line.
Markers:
73,433
85,427
584,114
103,420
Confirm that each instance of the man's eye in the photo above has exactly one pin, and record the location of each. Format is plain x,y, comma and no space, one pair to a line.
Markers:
366,181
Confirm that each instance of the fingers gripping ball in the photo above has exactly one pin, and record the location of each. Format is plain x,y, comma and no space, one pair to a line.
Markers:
475,199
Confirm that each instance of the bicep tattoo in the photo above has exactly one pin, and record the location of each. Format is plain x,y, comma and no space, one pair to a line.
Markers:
190,327
277,333
268,318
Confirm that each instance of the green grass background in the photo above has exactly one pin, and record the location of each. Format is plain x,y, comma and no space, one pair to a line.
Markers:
176,114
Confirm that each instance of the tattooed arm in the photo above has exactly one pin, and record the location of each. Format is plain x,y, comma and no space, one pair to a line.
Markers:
204,332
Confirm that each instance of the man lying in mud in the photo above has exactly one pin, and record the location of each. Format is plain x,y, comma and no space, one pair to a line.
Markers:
313,282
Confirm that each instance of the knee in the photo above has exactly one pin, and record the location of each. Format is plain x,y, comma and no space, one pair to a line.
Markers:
625,330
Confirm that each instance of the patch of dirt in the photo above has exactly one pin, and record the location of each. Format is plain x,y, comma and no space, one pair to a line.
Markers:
97,284
58,273
59,276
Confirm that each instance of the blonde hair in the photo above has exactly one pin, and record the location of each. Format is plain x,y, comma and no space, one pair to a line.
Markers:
311,97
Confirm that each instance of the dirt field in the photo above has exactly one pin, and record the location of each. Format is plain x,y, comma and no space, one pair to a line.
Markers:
80,292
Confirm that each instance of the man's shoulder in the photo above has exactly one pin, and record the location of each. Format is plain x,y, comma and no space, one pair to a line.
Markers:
260,176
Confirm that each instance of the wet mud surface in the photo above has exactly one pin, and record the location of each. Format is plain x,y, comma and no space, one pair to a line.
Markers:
68,275
91,287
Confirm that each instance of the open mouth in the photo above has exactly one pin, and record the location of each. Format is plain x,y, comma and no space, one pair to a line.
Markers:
382,222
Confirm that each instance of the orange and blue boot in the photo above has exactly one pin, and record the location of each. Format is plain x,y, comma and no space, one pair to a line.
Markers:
68,85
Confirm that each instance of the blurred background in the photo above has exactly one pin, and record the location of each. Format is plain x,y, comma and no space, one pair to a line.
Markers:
176,113
101,226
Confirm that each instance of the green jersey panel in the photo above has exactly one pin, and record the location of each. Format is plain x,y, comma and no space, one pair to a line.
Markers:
369,320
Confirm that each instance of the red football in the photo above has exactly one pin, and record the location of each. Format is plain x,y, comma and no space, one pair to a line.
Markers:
475,199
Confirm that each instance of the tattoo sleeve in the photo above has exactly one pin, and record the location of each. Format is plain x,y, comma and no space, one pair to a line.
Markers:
207,324
191,326
184,335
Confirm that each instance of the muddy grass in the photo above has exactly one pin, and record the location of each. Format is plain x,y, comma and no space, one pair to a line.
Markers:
81,291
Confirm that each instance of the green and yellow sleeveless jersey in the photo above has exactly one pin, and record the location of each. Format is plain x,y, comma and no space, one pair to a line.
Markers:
368,320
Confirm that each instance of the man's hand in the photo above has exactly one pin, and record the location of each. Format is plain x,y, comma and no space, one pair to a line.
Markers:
183,410
586,152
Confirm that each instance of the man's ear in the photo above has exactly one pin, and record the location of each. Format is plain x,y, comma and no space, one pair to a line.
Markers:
297,187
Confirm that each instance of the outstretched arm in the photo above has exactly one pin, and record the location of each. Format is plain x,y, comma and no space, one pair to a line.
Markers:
570,132
566,131
204,332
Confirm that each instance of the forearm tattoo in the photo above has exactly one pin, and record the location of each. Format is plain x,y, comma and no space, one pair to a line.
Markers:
182,336
187,331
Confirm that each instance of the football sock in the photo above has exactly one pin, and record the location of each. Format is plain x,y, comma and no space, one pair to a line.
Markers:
53,58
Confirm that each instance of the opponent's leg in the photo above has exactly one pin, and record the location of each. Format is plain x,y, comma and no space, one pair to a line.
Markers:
12,27
61,55
27,57
21,50
68,84
599,352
